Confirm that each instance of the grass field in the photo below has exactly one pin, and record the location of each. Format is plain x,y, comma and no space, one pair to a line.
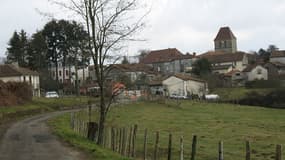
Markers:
263,127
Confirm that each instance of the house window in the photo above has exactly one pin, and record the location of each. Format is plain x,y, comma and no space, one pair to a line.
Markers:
24,78
66,72
53,73
59,73
259,71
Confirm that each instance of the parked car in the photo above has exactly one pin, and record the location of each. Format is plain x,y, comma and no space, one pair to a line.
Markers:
212,97
52,94
175,96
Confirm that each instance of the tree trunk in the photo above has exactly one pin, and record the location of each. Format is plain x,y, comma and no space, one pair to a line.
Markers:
56,71
83,80
102,121
102,114
76,77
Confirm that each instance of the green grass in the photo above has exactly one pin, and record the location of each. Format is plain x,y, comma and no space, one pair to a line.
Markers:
228,94
263,127
61,127
45,104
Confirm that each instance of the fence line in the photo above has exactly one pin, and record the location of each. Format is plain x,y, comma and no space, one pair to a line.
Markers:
124,141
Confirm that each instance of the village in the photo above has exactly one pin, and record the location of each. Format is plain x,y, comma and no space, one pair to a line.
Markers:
165,72
142,80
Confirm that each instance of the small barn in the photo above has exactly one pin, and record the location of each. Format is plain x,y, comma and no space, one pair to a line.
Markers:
184,85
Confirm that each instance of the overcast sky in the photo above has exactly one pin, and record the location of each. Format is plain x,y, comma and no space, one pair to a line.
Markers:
188,25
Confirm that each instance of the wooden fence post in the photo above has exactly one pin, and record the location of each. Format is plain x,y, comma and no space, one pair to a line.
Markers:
278,152
130,142
113,139
169,147
145,144
221,151
117,139
123,150
89,111
156,146
120,140
247,147
194,146
134,141
72,115
92,130
181,148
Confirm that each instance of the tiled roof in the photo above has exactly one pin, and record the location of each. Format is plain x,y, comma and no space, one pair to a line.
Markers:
133,68
232,72
277,54
165,55
249,68
9,70
225,33
221,57
221,67
187,77
278,64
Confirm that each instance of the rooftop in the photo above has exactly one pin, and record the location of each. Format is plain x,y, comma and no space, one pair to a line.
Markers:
277,54
9,70
225,33
165,55
220,57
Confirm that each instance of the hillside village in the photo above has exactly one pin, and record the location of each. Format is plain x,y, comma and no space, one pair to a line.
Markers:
142,80
166,72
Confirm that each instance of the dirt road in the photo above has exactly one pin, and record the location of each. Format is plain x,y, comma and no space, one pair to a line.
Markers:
31,139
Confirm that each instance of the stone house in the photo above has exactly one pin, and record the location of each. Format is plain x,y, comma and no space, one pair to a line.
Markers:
14,73
255,72
168,61
140,74
234,78
225,62
276,70
184,85
278,56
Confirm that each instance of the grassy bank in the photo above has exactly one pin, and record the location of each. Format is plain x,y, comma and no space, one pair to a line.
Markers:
40,105
61,127
232,124
44,103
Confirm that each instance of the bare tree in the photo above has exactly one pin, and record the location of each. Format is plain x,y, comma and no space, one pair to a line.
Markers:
110,23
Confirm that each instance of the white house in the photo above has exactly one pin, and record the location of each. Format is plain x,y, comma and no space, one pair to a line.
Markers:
14,73
255,72
67,74
184,85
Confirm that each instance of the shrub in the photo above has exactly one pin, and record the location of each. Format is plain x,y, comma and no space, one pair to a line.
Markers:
263,84
13,93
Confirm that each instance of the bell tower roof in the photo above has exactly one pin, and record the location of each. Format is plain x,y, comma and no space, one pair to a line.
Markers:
225,33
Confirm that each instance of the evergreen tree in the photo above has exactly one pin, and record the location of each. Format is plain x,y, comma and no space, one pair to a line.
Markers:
17,50
37,50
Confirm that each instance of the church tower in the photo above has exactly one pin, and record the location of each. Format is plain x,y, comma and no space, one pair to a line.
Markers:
226,41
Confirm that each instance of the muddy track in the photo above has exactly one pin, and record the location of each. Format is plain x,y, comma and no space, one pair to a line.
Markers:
31,139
